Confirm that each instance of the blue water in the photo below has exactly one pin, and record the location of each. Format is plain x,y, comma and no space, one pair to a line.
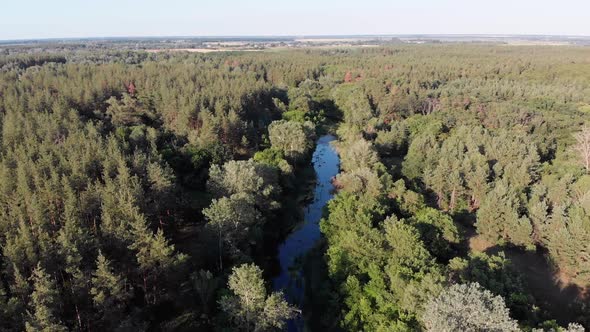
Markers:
326,164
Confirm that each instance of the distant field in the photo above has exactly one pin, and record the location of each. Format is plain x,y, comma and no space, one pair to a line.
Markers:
267,48
199,50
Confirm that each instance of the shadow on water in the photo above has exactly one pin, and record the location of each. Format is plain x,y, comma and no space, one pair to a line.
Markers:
291,252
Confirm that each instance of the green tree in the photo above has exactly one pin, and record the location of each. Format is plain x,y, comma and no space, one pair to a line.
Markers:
496,274
45,304
476,177
156,258
437,230
360,181
498,218
109,292
359,154
275,158
468,308
249,306
354,103
411,268
421,155
568,241
14,307
257,181
127,111
233,219
393,141
295,139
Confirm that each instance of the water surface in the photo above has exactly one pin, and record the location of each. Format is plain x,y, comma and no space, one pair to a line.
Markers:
326,165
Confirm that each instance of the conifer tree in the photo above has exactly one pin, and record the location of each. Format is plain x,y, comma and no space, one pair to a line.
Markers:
45,304
498,218
155,257
109,292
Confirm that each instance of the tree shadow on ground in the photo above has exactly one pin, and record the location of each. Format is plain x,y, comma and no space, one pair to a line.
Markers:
557,299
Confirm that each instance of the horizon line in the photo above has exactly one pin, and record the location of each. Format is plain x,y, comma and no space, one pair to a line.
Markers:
490,35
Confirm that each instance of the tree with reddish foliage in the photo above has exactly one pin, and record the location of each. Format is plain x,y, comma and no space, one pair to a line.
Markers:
131,88
348,77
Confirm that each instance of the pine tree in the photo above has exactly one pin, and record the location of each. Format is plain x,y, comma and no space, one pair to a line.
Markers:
109,292
45,304
16,305
476,177
74,244
498,218
155,256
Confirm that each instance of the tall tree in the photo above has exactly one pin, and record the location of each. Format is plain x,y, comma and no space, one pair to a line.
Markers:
156,258
257,181
249,306
109,292
45,304
499,218
233,219
295,139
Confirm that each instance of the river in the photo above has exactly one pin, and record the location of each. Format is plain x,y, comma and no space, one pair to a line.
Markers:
326,164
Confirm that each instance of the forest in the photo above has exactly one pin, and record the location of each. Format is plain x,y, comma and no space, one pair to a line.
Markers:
149,191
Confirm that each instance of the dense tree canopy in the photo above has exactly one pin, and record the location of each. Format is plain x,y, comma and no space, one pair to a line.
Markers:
148,191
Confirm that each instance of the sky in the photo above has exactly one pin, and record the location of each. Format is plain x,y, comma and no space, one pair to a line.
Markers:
29,19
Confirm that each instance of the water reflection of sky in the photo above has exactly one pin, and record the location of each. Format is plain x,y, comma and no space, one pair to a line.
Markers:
326,165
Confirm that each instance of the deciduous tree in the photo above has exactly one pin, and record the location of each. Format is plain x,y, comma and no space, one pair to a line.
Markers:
295,139
469,308
249,306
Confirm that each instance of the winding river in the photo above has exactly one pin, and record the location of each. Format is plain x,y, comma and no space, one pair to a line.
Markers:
326,164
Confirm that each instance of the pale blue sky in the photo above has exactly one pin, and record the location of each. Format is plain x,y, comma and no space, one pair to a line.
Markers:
94,18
